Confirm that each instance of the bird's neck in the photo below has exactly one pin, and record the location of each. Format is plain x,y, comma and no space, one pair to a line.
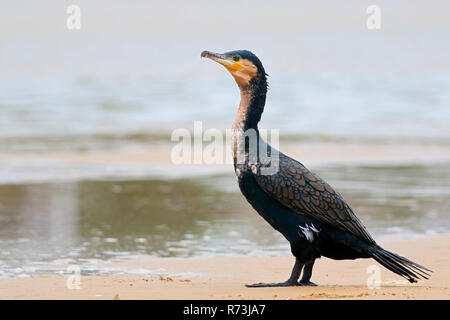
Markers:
251,107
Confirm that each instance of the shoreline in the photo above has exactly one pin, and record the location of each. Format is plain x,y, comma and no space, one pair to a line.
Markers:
346,279
155,162
327,153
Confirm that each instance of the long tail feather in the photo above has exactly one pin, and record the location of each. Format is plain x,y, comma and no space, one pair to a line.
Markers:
399,265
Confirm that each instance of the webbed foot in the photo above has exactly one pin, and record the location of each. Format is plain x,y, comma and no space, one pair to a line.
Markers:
307,284
279,284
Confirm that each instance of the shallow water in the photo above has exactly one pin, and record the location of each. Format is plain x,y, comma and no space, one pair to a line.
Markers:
55,212
85,221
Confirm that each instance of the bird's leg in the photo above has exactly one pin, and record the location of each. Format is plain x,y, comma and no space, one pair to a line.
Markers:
307,272
292,281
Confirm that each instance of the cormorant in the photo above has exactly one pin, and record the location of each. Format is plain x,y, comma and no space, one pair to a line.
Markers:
314,218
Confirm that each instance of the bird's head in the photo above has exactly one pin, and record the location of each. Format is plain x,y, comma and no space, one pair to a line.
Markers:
243,65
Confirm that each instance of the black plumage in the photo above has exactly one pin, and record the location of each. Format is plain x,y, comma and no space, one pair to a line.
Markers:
311,215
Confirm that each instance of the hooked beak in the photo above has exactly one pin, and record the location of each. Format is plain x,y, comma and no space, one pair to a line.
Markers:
224,59
217,57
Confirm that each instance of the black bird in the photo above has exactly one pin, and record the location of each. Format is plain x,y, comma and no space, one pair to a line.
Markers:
314,218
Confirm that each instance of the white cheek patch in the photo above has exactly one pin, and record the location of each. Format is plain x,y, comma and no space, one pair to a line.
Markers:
246,73
242,78
308,231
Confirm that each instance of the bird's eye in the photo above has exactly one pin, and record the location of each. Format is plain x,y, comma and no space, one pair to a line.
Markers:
236,58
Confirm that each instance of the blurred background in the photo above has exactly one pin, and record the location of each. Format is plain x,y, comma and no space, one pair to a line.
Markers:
86,117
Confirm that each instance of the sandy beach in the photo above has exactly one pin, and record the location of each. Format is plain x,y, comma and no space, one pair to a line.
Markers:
224,278
311,153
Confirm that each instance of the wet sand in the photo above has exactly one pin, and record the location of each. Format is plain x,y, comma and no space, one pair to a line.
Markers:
313,153
224,278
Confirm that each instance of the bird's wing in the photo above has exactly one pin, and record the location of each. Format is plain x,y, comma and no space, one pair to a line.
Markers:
295,187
